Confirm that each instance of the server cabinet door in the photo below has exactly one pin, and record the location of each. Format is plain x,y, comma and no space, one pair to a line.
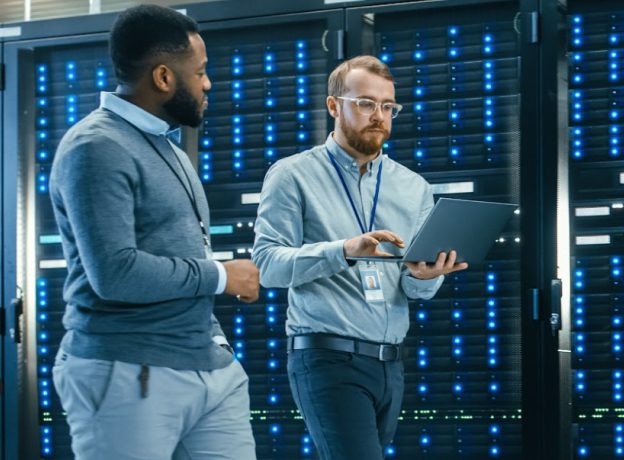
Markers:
267,102
596,190
457,76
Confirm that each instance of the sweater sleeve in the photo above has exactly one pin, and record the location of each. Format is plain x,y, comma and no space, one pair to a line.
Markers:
92,188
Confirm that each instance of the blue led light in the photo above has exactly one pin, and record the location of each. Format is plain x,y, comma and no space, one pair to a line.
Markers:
458,388
425,440
390,451
494,429
275,429
418,56
272,343
453,52
453,31
273,398
494,451
422,388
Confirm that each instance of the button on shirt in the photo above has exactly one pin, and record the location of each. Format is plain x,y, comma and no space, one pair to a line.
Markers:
304,218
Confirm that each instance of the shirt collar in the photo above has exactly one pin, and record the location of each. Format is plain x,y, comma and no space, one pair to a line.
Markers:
346,161
134,114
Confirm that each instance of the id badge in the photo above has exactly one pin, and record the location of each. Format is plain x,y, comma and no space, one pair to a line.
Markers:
371,282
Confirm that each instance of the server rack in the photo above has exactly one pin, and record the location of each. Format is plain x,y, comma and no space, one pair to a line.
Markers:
596,89
466,396
458,75
267,73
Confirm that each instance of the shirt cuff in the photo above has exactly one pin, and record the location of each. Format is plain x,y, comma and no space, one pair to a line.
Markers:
334,252
222,278
220,340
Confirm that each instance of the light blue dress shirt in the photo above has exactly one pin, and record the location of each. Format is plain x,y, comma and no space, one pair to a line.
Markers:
304,218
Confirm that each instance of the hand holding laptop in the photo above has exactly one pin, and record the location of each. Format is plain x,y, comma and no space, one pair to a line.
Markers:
444,265
366,244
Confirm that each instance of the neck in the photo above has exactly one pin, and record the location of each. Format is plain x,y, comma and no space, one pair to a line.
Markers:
141,99
361,159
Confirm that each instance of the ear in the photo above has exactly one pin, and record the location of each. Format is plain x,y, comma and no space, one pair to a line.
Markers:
332,106
163,78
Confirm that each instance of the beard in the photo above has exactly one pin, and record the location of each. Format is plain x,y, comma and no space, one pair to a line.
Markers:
357,140
183,108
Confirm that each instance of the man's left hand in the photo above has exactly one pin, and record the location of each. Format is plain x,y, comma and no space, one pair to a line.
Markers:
442,266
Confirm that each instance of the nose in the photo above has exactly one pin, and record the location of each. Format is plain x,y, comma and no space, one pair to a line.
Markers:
378,113
207,84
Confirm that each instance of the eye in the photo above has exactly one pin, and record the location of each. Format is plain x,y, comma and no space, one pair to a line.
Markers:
387,107
367,104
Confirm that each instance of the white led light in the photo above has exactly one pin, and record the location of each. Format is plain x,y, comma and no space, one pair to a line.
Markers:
592,211
594,239
223,255
52,263
250,198
453,187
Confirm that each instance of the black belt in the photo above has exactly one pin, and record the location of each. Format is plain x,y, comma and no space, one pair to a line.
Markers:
380,351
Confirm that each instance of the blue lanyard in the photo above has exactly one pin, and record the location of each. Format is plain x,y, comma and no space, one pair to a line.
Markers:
346,189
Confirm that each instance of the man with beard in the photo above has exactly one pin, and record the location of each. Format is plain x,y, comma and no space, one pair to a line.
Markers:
144,370
346,321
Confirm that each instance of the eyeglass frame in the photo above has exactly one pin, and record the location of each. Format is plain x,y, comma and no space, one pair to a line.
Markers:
357,100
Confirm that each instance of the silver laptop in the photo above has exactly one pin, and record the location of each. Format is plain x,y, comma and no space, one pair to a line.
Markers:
469,227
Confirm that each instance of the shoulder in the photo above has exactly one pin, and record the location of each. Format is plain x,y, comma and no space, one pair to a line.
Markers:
99,142
403,173
291,167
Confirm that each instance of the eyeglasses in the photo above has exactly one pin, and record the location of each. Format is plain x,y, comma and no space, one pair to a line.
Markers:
368,106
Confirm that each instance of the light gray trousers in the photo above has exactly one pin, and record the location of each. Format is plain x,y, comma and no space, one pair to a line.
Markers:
186,415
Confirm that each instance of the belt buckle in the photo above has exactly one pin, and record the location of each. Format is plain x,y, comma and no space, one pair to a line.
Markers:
384,347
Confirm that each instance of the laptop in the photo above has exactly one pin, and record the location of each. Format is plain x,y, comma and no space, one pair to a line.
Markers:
469,227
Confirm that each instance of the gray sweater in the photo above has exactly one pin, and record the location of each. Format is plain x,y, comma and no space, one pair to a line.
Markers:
140,285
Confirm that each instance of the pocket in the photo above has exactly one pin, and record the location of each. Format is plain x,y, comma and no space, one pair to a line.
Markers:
83,385
316,359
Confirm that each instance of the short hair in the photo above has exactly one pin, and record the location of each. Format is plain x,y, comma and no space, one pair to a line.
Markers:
141,33
336,83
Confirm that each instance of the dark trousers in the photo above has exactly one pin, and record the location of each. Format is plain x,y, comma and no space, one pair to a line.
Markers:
350,403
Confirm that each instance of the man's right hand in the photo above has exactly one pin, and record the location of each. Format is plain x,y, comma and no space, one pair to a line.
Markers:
243,280
366,244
